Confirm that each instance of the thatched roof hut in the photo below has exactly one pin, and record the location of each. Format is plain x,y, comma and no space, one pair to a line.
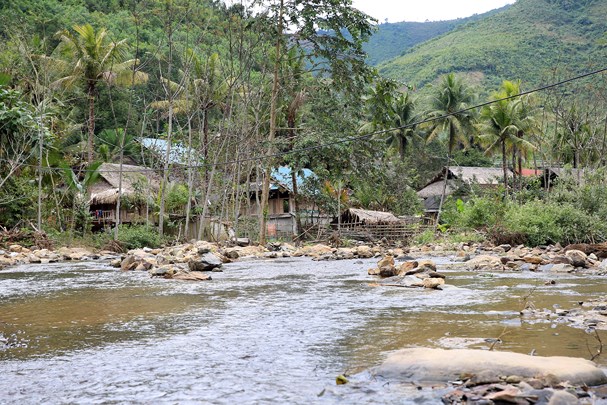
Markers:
367,217
135,180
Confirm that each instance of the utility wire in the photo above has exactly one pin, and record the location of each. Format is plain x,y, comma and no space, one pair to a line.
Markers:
355,138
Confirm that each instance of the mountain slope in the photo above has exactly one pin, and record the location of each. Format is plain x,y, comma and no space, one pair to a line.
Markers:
393,39
533,40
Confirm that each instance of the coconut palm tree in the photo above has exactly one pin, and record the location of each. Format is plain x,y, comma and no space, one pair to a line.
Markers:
504,122
394,112
403,120
88,58
451,117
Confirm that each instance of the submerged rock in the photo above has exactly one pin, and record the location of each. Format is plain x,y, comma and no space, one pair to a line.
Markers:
438,365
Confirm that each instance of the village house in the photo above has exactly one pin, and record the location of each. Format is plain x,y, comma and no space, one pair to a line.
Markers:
140,185
483,177
281,203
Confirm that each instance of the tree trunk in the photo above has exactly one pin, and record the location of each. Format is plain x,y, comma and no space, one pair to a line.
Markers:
188,207
298,226
91,133
265,191
505,168
119,185
442,197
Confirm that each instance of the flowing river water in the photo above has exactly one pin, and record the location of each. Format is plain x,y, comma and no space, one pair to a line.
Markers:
275,331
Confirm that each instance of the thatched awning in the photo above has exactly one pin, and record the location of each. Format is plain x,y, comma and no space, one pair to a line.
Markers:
135,180
436,188
357,215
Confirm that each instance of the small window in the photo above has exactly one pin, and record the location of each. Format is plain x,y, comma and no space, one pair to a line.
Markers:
286,208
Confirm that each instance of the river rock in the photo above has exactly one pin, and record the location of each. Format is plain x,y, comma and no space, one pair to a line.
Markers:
406,267
74,253
231,253
136,257
561,260
545,267
577,257
386,261
485,262
533,259
439,365
432,282
314,250
242,242
374,271
15,248
364,252
562,268
206,262
166,270
426,265
191,276
387,271
345,254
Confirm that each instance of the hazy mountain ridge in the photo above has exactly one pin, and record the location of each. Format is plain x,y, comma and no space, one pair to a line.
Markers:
533,40
394,39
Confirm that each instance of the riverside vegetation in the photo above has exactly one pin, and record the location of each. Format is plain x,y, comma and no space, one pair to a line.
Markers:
82,83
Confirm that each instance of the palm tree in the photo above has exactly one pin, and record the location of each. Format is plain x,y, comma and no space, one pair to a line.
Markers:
503,124
391,111
403,119
88,58
451,117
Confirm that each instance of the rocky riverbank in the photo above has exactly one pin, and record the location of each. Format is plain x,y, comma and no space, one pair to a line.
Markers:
488,377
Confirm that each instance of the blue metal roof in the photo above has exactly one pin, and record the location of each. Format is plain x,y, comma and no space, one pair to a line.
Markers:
283,176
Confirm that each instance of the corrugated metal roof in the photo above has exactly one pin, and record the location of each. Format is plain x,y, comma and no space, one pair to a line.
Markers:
178,154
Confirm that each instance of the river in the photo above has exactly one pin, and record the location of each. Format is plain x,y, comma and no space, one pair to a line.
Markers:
276,331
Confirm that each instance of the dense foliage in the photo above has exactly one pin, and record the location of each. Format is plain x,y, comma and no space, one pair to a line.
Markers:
232,92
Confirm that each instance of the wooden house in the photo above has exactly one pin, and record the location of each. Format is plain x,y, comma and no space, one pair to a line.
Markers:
484,177
139,186
281,203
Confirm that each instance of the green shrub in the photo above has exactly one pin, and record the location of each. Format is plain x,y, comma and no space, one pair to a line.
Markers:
544,223
139,236
476,213
424,238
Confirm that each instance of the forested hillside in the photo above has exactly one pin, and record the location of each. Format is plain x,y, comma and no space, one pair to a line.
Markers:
533,40
394,39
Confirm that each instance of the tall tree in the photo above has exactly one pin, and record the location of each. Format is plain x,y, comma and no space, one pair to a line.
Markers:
451,117
88,58
392,111
503,124
330,34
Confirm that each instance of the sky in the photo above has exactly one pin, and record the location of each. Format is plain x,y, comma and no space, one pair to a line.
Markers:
422,10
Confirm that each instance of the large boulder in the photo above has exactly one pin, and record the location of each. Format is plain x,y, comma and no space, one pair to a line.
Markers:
139,259
578,258
433,282
484,262
314,250
440,366
364,252
205,262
